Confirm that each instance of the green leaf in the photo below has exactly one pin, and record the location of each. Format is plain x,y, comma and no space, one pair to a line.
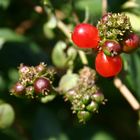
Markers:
72,53
9,35
68,81
135,20
58,54
4,3
133,74
102,136
48,31
7,115
52,22
97,4
130,4
48,98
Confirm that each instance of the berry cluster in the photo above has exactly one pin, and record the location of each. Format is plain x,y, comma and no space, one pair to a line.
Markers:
112,36
33,82
85,97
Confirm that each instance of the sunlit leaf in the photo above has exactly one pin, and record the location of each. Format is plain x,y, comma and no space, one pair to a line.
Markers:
52,22
4,3
47,99
9,35
133,75
135,21
130,4
102,136
7,115
68,81
58,54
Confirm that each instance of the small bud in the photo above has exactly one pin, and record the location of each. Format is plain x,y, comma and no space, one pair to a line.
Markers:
98,97
86,99
30,92
18,88
23,69
40,68
83,116
93,106
106,17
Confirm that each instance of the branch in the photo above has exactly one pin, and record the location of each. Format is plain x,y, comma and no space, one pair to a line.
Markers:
64,28
127,94
104,7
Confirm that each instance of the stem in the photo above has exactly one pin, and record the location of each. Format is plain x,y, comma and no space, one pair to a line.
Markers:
127,94
83,57
86,15
66,31
104,7
64,28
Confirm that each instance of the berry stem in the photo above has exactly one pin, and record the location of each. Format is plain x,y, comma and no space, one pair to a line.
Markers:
127,94
83,57
86,15
63,28
104,7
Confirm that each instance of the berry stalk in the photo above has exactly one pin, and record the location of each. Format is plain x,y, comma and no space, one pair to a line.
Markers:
127,94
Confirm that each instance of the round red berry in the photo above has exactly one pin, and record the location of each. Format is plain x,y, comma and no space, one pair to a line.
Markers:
85,36
41,84
111,47
108,66
131,42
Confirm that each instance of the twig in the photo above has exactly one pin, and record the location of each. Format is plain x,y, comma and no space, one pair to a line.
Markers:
127,94
86,15
104,7
83,57
63,28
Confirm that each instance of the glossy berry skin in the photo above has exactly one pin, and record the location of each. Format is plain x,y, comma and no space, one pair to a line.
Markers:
108,66
41,84
85,36
131,42
111,47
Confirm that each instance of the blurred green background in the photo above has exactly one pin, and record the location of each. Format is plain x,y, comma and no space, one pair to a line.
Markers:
28,35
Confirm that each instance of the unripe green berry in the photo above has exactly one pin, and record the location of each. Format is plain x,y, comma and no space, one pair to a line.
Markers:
98,97
83,116
86,99
93,106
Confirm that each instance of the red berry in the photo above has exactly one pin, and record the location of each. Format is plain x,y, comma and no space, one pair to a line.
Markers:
18,88
41,84
111,47
85,36
131,42
108,66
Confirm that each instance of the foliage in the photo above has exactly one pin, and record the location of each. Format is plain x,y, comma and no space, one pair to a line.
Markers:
30,35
